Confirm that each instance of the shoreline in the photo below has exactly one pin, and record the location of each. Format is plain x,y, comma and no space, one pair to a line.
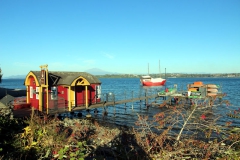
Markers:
12,92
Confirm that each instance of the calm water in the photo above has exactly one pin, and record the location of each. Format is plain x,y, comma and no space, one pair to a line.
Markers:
13,83
123,88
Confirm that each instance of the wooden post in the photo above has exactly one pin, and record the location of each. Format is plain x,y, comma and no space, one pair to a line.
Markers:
132,100
44,82
114,104
146,101
69,99
27,89
86,92
140,104
125,99
40,99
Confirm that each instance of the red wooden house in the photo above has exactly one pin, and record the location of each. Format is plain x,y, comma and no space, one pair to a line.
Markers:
61,90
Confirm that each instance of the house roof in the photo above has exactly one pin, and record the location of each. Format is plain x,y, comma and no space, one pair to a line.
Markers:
12,92
66,78
5,100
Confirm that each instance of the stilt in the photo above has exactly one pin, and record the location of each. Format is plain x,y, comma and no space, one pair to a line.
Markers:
125,103
71,115
95,111
114,110
105,113
79,114
140,104
146,102
132,101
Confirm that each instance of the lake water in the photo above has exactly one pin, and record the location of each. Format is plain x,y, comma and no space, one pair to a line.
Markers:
123,88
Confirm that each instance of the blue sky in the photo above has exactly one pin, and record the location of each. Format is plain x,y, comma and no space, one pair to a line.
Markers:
190,36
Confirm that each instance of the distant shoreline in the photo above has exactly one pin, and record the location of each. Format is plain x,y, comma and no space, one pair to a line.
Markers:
172,75
153,75
163,75
12,92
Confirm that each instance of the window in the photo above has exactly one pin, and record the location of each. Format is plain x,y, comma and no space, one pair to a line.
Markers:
54,93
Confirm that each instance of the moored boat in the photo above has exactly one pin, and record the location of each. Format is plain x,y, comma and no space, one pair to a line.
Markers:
147,80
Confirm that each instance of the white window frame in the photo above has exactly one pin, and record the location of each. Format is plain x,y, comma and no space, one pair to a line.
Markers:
31,92
37,92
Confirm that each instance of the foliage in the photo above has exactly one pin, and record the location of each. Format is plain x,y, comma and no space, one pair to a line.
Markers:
72,152
8,129
187,129
184,129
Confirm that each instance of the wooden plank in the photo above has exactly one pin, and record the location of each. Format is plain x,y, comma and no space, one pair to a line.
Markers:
111,103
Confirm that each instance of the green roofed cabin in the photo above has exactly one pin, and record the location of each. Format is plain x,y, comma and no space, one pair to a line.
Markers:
61,90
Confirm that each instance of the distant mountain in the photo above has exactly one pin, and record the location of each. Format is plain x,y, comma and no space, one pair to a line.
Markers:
15,77
97,71
93,71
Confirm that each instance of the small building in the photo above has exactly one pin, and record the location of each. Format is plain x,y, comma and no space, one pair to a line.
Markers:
4,102
5,108
48,91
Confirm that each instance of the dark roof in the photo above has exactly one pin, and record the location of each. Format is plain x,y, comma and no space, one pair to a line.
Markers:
58,78
5,100
12,92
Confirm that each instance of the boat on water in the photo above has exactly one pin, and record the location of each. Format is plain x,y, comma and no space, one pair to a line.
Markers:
147,80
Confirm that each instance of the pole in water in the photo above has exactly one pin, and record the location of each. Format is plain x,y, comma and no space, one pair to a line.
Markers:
140,104
145,96
114,111
132,100
105,113
114,105
125,99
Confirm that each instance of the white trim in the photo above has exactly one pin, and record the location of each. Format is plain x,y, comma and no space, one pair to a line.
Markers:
98,91
37,92
31,92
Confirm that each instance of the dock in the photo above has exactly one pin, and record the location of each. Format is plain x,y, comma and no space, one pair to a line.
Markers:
165,99
27,111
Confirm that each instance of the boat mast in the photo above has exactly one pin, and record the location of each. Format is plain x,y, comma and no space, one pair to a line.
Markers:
148,68
159,69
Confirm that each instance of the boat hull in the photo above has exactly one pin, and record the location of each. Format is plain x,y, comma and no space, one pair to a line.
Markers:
150,83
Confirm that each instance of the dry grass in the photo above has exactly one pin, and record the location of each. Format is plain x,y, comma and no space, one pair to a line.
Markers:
176,133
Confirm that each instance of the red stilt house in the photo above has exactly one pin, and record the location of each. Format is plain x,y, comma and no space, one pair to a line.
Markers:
61,90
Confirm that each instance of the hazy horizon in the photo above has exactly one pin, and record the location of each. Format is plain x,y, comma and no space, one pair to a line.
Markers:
102,72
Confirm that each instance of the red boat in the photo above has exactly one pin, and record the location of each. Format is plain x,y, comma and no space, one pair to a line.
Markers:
149,81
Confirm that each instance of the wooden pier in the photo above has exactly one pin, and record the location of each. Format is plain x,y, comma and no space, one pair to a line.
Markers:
166,97
27,111
112,103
